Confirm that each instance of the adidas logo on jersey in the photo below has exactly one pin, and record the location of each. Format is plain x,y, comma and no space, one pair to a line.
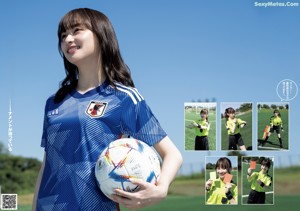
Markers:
53,112
95,109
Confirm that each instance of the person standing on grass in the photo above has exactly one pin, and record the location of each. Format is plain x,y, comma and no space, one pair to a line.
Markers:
202,127
260,182
233,126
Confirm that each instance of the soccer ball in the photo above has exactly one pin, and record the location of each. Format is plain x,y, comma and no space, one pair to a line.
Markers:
124,159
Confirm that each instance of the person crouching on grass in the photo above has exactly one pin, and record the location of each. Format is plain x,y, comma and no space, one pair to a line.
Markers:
260,182
233,126
202,127
219,192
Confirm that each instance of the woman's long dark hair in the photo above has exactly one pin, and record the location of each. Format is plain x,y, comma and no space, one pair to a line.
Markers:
112,61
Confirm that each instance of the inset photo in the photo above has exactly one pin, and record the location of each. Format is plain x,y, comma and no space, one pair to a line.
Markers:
221,176
257,180
200,126
273,126
236,126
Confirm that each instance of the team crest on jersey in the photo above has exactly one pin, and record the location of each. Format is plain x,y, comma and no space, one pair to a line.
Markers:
96,109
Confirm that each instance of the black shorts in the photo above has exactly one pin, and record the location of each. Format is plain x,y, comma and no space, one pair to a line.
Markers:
275,128
235,140
201,143
256,197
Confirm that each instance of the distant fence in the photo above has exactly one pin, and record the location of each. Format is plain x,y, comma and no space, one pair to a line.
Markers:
281,161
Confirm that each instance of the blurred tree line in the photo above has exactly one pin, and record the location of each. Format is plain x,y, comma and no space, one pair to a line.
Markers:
257,159
273,106
17,174
239,155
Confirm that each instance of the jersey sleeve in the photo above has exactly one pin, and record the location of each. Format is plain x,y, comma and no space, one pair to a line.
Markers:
268,181
253,177
45,126
239,121
207,126
271,121
235,193
138,121
227,125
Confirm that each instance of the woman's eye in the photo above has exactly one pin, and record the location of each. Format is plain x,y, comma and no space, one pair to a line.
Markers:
77,30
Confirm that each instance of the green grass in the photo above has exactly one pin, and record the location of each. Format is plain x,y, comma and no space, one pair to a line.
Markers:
246,185
246,132
180,203
187,193
264,116
190,132
176,203
24,207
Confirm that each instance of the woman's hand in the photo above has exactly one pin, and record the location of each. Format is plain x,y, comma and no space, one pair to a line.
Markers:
228,187
249,171
149,194
208,184
195,124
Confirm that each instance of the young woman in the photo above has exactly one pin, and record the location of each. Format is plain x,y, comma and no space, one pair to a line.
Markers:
260,182
275,125
96,104
233,126
218,191
201,129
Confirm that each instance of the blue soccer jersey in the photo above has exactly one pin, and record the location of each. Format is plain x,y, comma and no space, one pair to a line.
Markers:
75,133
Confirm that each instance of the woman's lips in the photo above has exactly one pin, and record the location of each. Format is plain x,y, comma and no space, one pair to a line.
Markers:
72,49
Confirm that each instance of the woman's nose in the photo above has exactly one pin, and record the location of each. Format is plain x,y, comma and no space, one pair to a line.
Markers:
69,38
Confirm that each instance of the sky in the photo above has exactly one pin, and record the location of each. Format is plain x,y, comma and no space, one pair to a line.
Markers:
178,51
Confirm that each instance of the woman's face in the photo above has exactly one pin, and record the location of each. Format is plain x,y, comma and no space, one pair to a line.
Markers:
276,113
221,172
78,44
203,116
264,169
232,115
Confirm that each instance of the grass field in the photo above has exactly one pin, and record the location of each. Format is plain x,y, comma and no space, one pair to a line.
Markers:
188,194
179,203
246,185
246,132
264,116
190,132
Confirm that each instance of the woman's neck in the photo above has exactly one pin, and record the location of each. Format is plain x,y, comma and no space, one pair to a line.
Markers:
90,76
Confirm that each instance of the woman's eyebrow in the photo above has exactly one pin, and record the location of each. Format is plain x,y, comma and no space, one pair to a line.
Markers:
76,25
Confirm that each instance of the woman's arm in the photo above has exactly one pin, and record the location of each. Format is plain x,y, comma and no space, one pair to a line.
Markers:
150,194
249,174
231,194
172,161
37,184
